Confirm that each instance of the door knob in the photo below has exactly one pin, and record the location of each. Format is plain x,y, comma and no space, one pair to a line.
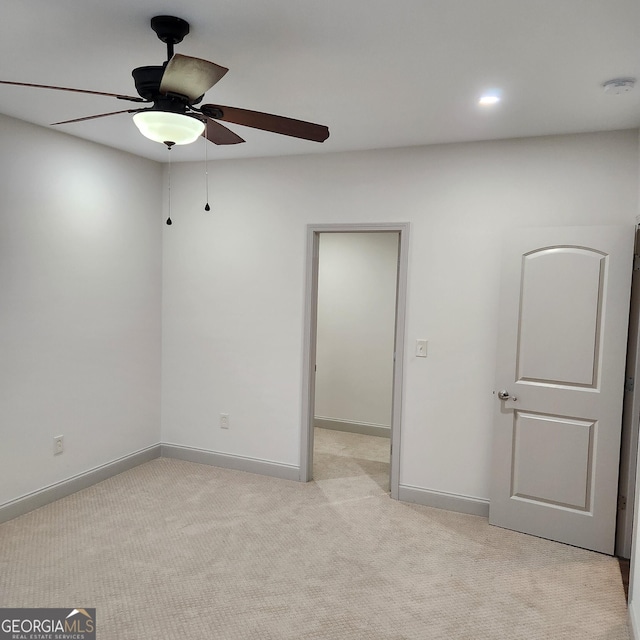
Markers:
504,395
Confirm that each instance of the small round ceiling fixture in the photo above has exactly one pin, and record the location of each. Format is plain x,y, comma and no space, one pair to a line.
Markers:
618,86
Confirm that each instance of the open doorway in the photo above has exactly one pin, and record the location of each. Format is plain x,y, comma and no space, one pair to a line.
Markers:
353,365
355,329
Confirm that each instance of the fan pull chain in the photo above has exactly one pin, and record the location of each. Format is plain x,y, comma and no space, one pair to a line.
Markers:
206,164
169,145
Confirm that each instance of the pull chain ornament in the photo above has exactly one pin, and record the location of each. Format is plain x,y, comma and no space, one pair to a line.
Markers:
169,146
206,165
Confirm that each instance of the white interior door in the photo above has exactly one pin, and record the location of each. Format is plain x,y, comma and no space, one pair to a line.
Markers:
561,361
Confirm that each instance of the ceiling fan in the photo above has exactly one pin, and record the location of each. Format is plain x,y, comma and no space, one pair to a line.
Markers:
175,88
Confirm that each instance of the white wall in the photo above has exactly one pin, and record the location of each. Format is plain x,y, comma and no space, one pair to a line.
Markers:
233,287
80,254
80,266
357,276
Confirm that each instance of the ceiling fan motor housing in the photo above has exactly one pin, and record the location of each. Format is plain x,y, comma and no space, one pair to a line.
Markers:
148,80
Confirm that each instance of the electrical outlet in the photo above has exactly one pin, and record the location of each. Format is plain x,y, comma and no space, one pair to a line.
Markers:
224,420
58,445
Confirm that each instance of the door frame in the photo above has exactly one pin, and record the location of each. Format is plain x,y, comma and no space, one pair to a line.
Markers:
630,417
310,336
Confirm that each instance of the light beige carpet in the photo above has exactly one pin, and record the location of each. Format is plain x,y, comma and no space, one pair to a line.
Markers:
176,550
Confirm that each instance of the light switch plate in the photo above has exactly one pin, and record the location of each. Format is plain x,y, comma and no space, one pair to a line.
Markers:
421,348
58,445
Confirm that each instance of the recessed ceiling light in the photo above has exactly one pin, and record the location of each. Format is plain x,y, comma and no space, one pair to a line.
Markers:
488,99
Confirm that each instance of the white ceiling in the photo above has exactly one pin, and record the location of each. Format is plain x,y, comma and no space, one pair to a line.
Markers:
379,73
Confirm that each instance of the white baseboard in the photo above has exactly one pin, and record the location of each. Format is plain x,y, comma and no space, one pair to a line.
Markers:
54,492
20,506
634,630
364,428
227,461
447,501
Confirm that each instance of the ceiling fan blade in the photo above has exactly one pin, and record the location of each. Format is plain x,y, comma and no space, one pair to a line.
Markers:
268,122
190,77
95,93
219,134
100,115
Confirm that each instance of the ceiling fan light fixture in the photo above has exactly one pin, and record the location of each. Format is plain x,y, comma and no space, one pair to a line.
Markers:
168,127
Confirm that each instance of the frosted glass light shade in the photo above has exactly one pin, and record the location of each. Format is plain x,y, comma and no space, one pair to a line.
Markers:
165,126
